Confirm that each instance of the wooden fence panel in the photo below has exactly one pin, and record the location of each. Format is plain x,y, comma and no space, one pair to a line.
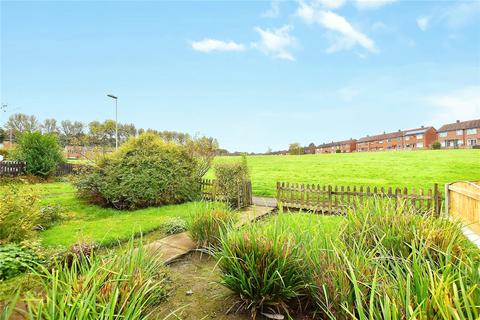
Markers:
462,200
339,199
210,193
12,168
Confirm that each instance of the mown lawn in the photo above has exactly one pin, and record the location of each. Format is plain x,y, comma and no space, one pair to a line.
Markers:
419,169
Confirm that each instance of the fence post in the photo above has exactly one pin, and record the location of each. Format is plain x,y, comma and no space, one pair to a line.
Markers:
436,196
329,199
447,196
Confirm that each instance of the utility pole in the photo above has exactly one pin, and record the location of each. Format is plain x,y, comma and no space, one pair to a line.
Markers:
116,119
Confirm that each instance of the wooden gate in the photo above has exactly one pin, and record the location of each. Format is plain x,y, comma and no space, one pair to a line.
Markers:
210,192
462,200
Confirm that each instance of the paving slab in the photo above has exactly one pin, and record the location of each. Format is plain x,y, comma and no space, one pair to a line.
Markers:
175,246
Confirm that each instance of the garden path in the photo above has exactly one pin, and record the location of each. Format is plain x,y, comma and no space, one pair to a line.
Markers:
175,246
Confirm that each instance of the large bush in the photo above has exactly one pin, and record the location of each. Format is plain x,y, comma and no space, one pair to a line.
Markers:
41,152
19,214
230,178
145,171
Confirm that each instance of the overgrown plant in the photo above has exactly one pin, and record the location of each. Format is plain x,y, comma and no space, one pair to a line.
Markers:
208,221
116,286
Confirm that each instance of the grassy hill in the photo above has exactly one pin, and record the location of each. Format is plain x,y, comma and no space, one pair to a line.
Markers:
419,169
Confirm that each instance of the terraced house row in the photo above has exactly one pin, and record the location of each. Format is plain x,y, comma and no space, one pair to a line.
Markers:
460,134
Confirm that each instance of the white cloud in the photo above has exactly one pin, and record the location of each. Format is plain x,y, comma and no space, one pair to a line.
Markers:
331,4
276,42
209,45
422,22
273,11
372,4
346,35
463,104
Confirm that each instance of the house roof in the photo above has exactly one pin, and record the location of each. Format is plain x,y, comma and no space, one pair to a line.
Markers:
460,125
412,132
383,136
336,143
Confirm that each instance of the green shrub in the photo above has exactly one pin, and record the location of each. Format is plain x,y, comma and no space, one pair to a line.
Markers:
41,152
4,153
116,286
175,225
3,135
264,265
48,216
208,221
19,214
229,179
436,145
16,259
145,171
338,151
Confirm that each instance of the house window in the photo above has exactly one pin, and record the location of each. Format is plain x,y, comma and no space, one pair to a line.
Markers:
472,142
472,131
419,136
407,138
381,141
443,134
419,144
459,132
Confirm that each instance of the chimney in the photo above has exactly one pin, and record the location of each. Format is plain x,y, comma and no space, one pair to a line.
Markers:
458,121
399,130
423,127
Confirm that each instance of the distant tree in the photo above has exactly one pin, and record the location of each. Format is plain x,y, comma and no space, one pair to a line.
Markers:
125,131
3,135
269,150
41,152
71,132
436,145
311,148
204,150
19,123
96,134
49,126
295,149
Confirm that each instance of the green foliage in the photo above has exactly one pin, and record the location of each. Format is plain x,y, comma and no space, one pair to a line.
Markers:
436,145
16,259
175,225
41,152
145,171
48,216
338,151
115,286
207,221
295,149
380,266
4,153
263,264
3,135
229,179
19,213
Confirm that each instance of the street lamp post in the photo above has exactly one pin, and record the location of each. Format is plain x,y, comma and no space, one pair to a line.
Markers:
116,119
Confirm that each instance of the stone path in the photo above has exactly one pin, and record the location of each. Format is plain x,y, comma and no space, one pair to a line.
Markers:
265,202
175,246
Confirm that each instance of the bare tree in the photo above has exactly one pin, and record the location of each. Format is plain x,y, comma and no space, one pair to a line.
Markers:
19,123
49,126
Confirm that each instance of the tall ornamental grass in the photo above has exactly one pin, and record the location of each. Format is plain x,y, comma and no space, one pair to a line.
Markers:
121,286
384,263
207,221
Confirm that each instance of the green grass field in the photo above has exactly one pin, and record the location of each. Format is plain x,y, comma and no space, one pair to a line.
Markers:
419,169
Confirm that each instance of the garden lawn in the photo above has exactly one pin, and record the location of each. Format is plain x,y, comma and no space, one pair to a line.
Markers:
419,169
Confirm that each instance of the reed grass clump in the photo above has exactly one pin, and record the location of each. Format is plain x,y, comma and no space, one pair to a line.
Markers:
207,221
120,286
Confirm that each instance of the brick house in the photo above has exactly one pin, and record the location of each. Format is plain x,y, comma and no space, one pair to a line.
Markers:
419,138
460,134
332,147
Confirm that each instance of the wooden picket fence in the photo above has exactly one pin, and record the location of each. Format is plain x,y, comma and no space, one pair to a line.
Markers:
18,168
339,199
12,168
210,192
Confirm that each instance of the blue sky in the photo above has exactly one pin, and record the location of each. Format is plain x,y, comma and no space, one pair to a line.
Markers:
253,74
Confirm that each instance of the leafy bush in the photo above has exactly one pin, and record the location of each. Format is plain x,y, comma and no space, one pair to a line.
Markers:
16,259
3,135
145,171
175,225
338,151
436,145
19,214
41,152
115,286
48,216
229,178
4,153
208,221
264,265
